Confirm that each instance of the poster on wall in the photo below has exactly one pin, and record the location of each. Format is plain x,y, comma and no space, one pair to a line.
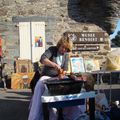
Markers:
38,41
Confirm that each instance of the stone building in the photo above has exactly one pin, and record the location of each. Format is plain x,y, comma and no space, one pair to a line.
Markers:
59,16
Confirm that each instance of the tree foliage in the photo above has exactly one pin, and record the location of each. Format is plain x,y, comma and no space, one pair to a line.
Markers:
116,40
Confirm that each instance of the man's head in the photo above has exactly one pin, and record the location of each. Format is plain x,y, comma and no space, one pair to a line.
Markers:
64,45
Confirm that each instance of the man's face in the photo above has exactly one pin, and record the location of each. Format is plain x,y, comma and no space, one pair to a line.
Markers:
62,49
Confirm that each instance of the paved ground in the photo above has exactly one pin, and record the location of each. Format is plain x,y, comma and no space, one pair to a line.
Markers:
14,104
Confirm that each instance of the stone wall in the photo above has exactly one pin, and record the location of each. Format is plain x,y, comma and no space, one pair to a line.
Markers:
60,16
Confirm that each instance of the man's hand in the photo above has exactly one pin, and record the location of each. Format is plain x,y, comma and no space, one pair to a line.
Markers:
61,74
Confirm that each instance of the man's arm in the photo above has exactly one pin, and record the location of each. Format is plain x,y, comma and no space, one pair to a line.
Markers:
47,62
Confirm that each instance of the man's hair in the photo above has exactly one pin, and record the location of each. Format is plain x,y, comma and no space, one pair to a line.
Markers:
65,41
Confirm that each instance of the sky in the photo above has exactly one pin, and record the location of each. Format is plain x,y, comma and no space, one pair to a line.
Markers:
116,30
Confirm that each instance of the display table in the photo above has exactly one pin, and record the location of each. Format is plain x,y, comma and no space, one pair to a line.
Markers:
61,101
